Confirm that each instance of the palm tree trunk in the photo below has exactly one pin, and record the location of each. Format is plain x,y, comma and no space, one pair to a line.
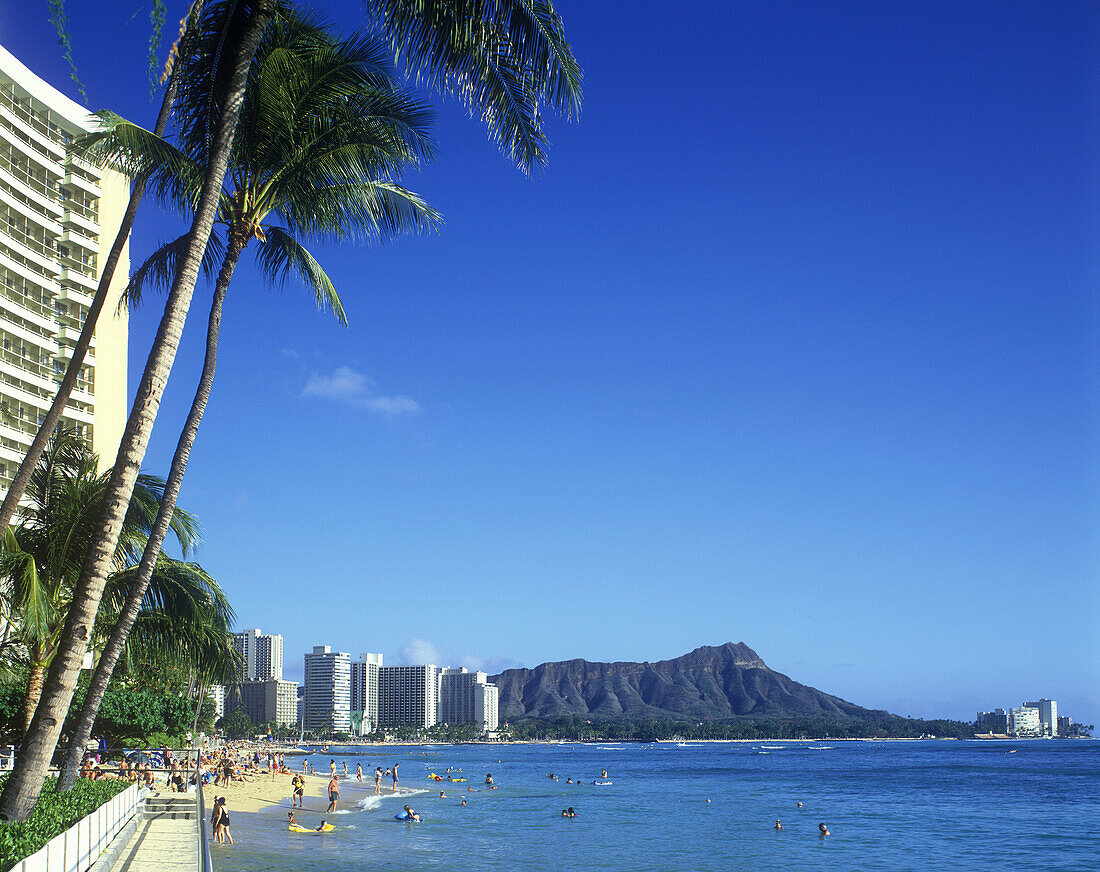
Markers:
80,351
25,782
121,631
35,680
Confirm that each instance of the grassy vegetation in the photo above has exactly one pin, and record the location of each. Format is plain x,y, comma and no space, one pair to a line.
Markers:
54,813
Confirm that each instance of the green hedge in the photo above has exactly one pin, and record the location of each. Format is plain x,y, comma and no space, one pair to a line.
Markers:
54,813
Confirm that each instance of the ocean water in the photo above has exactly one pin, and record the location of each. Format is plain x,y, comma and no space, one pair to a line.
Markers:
889,806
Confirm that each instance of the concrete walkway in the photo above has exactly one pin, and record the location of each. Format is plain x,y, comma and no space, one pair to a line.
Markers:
166,839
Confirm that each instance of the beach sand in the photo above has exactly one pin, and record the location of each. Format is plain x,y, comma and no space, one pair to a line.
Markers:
263,793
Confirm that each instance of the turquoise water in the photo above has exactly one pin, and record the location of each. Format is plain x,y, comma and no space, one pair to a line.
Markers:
889,805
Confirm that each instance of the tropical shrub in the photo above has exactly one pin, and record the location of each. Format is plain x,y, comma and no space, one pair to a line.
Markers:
53,814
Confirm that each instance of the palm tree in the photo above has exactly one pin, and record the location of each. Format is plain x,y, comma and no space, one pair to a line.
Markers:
239,28
503,58
41,560
323,129
87,332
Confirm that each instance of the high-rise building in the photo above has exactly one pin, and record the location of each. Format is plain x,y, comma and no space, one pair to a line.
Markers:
486,707
265,702
1048,716
262,655
217,693
1064,724
461,693
58,219
408,695
328,690
1024,721
364,693
995,721
456,695
269,658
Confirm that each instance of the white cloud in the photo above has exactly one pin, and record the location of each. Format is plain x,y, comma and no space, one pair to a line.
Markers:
416,652
419,651
345,385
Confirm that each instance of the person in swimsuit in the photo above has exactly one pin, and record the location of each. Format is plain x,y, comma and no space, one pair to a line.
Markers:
220,821
321,827
292,822
345,768
824,830
410,814
778,825
333,793
377,780
359,772
332,767
463,800
299,785
395,765
489,778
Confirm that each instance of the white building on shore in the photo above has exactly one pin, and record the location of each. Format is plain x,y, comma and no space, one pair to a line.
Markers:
328,690
58,220
364,693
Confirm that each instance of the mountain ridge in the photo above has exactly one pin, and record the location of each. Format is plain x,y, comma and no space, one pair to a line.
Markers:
710,682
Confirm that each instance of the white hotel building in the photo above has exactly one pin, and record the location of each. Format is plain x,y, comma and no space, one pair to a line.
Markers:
327,695
58,219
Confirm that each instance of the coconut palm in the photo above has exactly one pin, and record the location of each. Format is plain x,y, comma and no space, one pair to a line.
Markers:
323,130
41,559
76,362
240,27
504,58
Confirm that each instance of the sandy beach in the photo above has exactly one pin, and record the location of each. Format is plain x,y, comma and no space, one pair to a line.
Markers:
263,793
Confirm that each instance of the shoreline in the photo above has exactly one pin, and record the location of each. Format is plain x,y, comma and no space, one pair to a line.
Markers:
265,793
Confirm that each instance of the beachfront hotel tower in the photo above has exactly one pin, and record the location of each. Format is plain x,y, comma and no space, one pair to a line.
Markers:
364,694
327,690
408,695
261,655
58,219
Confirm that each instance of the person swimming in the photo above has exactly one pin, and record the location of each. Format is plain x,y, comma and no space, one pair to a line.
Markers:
489,778
603,773
321,828
800,805
824,830
442,795
778,825
410,814
463,800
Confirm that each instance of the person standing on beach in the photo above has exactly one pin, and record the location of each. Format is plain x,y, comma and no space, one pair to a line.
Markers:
333,793
359,772
299,785
395,765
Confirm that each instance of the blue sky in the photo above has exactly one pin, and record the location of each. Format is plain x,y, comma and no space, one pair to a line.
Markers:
793,343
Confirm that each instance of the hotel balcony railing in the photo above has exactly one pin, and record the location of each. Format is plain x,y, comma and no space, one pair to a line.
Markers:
31,181
78,266
88,212
47,129
33,266
29,303
38,246
26,387
33,367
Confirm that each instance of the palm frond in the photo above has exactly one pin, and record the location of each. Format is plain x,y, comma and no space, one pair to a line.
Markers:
121,145
159,268
279,255
503,59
